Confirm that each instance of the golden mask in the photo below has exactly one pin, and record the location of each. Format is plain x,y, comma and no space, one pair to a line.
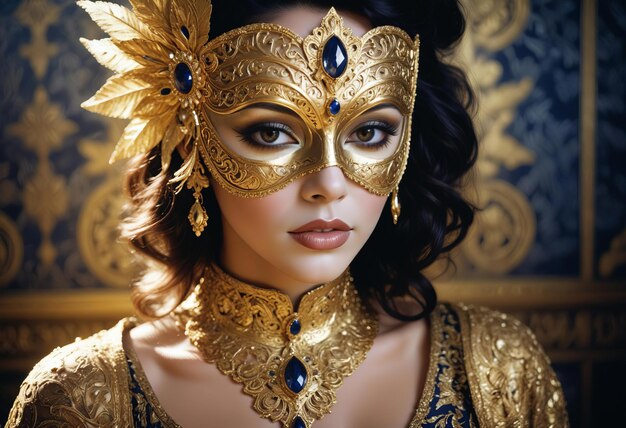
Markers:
176,86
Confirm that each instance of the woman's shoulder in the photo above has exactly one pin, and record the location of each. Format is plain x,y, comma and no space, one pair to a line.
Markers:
81,384
510,376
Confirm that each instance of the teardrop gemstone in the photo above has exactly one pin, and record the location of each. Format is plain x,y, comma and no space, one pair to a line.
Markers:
298,423
295,326
295,375
334,57
183,78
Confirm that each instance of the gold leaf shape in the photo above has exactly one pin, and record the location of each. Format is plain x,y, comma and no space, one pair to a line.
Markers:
118,97
152,13
183,13
116,20
109,55
145,52
173,137
155,105
141,135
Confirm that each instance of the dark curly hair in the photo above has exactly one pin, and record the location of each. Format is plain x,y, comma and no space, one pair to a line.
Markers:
435,216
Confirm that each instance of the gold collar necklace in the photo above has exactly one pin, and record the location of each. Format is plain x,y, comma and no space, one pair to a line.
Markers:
290,362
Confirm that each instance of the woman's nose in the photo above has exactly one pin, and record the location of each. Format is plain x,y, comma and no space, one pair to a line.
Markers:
326,185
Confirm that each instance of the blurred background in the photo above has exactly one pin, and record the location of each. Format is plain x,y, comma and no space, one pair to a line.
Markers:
549,245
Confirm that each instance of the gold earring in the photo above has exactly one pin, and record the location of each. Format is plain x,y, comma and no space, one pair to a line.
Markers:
395,206
198,217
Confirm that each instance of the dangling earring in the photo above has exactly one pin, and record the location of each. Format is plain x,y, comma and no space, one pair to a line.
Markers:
395,206
198,217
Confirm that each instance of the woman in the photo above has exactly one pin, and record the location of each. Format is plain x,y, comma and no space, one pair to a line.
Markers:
285,278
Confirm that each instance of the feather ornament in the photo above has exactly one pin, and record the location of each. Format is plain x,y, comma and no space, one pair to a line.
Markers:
109,55
118,97
156,49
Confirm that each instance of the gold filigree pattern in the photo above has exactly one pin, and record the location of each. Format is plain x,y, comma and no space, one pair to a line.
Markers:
511,380
78,385
247,333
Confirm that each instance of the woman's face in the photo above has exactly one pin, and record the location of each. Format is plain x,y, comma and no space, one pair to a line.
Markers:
310,231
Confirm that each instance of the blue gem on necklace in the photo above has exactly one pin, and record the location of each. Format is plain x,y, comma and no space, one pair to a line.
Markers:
295,375
334,107
298,423
295,326
334,57
183,78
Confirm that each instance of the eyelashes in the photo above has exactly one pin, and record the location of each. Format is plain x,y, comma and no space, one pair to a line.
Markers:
267,135
372,135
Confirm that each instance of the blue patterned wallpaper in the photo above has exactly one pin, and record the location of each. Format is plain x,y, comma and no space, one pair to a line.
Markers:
611,139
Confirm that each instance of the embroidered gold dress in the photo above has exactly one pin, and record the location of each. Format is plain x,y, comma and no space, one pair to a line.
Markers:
486,369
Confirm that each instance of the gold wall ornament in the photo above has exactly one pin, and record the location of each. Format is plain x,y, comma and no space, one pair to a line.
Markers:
110,260
614,257
38,15
11,249
495,24
42,128
505,229
98,236
502,234
46,199
290,362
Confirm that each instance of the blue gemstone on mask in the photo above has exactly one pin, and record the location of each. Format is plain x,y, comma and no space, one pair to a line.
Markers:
185,32
183,78
334,107
298,423
294,328
334,57
295,375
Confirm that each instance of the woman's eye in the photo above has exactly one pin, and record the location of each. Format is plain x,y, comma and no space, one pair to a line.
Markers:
268,135
365,134
373,135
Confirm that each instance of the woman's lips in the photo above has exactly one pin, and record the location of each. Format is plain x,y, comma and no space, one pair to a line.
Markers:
322,234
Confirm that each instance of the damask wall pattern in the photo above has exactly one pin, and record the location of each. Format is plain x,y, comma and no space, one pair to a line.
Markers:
529,61
611,140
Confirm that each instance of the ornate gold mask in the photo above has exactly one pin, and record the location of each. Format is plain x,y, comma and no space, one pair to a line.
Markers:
174,84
